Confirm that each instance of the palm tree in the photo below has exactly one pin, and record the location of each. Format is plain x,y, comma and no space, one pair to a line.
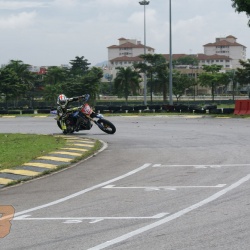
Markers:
126,82
151,65
79,65
22,70
25,77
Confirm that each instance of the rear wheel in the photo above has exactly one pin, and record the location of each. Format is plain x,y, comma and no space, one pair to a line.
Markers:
106,126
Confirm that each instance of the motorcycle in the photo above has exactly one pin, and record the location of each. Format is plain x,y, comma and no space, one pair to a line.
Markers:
83,118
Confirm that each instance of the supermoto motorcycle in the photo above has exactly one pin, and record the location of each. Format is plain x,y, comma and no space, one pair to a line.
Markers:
83,118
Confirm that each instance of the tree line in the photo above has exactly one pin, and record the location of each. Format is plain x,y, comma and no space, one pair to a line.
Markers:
18,82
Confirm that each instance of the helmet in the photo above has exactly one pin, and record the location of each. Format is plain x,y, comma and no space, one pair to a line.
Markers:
62,100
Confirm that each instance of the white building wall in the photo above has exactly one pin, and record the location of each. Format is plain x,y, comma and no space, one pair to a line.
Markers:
209,51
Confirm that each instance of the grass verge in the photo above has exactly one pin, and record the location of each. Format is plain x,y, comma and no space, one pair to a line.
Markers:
17,149
85,155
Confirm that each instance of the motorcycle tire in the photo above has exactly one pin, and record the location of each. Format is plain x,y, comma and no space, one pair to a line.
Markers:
65,131
106,126
59,124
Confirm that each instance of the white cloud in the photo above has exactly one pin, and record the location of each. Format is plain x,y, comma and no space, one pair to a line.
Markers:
14,5
66,3
58,30
20,20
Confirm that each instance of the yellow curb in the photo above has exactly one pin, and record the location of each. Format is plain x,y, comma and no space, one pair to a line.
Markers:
53,158
20,172
41,165
85,145
79,141
5,181
77,149
66,153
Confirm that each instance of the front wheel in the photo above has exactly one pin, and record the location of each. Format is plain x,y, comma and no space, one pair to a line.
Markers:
106,126
65,131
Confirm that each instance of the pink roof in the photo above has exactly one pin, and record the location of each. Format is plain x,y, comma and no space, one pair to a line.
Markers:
128,45
222,43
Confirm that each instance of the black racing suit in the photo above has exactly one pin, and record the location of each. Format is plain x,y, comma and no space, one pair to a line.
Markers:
62,112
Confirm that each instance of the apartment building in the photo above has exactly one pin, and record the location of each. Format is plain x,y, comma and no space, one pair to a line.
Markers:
227,47
225,51
126,52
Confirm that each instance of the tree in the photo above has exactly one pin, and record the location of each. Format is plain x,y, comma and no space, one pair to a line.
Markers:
162,80
233,79
79,66
55,75
10,85
181,82
25,77
243,74
212,78
242,6
126,82
87,84
151,65
51,92
186,60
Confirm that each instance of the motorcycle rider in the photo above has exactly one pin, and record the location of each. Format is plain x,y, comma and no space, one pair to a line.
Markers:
63,102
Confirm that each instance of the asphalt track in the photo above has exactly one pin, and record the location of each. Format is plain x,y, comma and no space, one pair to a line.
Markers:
163,182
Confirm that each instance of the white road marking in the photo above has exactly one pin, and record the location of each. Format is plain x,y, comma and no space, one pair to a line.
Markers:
93,219
164,187
171,217
83,191
201,166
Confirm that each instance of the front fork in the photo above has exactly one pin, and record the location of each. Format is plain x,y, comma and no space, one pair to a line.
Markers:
62,122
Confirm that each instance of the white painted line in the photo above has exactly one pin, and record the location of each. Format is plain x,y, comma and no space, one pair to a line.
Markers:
171,217
201,166
95,219
163,187
146,165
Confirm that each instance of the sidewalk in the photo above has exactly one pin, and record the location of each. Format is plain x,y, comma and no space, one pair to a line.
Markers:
75,147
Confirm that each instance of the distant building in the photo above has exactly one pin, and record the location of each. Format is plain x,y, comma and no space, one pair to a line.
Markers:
126,53
225,51
227,46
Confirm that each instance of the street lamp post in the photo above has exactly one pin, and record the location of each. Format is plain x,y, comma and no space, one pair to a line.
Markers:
170,57
144,3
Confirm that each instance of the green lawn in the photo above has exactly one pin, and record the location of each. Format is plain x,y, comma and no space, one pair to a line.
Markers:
16,149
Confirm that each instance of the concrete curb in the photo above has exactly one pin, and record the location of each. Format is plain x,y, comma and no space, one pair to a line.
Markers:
75,147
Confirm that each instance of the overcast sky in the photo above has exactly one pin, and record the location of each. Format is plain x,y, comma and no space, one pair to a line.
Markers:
53,32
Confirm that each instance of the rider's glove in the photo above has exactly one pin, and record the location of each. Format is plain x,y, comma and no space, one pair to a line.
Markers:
86,97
